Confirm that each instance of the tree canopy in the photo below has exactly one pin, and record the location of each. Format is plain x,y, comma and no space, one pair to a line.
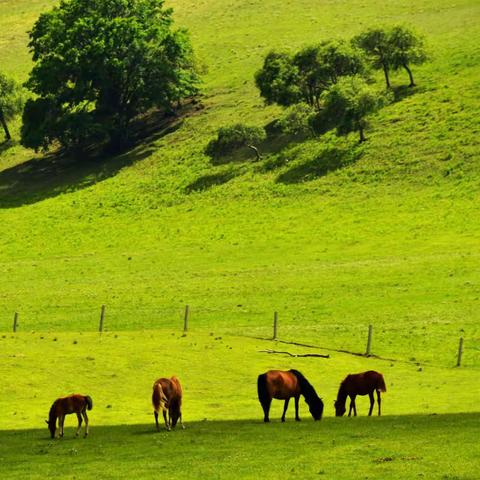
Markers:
392,48
288,79
100,63
347,104
11,102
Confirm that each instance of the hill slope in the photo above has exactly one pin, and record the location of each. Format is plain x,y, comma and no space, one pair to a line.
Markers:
331,235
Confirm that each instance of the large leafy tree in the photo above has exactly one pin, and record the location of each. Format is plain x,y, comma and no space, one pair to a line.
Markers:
11,102
286,79
348,103
100,63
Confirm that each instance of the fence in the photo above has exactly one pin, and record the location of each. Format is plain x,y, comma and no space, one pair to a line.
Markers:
376,342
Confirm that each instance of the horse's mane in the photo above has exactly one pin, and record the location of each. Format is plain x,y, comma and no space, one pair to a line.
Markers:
342,389
52,414
306,387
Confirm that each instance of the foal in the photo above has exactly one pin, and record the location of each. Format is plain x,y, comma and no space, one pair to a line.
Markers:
167,396
75,403
359,384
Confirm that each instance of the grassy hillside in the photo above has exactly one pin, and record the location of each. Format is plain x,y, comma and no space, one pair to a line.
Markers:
332,235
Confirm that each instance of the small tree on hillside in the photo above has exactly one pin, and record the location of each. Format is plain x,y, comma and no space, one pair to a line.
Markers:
348,103
278,80
233,137
406,48
11,102
97,65
375,43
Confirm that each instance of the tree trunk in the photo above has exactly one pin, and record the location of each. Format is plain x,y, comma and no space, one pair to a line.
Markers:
255,149
5,126
412,83
387,79
362,135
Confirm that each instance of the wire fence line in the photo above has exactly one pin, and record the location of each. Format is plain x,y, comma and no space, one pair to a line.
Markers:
381,340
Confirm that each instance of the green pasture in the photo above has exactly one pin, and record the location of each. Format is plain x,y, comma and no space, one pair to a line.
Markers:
332,235
425,412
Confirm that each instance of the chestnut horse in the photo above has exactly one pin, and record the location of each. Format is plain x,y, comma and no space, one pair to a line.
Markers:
75,403
283,386
167,396
359,384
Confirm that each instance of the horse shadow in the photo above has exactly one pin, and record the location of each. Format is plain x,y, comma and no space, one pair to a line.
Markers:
56,173
329,160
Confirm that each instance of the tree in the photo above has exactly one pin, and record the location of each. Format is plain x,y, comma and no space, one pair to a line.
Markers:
348,103
11,102
287,80
233,137
99,64
407,48
375,42
278,80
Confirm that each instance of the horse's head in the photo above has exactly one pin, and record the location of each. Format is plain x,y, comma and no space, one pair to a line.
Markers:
339,408
316,408
51,427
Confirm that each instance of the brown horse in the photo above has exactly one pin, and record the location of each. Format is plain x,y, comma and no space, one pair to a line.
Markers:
167,396
359,384
283,386
75,403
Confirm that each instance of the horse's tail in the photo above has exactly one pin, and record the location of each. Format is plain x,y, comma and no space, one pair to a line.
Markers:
381,387
159,400
262,390
88,399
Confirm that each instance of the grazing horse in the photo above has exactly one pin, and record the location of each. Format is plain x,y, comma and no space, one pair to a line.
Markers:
359,384
75,403
167,396
283,386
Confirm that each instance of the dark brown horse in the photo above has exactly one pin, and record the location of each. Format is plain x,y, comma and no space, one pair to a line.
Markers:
359,384
167,396
283,386
75,403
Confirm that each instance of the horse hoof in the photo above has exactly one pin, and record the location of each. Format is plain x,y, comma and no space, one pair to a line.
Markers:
266,420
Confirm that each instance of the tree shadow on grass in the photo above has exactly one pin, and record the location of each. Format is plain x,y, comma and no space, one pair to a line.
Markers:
207,181
404,91
55,173
329,160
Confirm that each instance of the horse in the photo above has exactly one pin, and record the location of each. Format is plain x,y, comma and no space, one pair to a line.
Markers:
167,396
283,386
359,384
75,403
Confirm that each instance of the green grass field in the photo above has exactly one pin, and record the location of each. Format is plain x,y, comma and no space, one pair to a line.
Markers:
332,235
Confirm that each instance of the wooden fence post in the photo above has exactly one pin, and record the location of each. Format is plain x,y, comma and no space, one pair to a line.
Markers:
102,317
460,352
369,341
275,325
185,320
15,322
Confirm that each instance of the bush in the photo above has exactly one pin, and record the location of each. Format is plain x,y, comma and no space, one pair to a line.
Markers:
234,137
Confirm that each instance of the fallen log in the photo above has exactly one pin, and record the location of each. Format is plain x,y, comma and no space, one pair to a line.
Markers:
319,355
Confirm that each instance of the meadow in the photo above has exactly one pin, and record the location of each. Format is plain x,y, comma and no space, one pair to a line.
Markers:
332,235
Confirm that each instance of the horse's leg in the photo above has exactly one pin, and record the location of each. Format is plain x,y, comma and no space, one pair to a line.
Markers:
378,401
351,407
61,419
297,399
354,406
155,414
372,402
266,409
85,417
285,409
181,422
167,426
79,417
